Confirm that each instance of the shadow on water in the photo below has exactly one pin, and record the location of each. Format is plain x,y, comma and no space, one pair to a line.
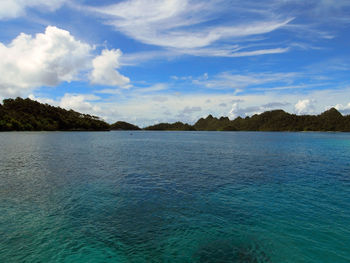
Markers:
222,251
154,225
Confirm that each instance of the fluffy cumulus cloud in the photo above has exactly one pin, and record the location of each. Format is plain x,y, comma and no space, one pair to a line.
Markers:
79,102
104,69
148,108
84,103
15,8
44,60
52,57
142,110
237,111
344,109
305,106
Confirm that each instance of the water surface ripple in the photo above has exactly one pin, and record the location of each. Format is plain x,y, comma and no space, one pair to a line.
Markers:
174,197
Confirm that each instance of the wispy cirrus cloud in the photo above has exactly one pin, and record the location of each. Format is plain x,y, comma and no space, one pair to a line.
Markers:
233,52
192,27
15,8
229,80
218,28
132,90
309,78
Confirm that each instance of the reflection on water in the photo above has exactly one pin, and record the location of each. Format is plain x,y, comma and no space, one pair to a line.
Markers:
174,197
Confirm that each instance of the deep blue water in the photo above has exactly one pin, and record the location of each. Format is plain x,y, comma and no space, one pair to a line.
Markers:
174,197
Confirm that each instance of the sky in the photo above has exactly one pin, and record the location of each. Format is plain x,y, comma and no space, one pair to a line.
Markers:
151,61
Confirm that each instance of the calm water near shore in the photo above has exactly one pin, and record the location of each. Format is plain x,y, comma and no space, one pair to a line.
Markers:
174,197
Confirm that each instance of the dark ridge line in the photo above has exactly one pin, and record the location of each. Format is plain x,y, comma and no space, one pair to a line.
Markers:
275,120
29,115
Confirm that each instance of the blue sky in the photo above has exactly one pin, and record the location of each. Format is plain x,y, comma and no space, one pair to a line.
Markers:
167,60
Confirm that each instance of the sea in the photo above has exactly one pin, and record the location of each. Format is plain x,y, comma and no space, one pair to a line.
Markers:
148,196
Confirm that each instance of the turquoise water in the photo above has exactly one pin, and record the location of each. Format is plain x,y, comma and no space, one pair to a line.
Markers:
174,197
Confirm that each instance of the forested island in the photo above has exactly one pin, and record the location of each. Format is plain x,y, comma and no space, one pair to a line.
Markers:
124,126
275,120
29,115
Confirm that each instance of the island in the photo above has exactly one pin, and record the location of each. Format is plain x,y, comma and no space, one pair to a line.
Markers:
124,126
275,120
29,115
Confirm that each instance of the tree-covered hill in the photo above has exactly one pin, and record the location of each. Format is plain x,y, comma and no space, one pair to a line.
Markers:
211,124
276,120
122,125
177,126
29,115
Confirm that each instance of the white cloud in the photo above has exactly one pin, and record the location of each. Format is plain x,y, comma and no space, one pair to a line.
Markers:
44,60
232,51
104,69
15,8
259,52
43,100
305,106
143,109
228,80
136,58
216,27
180,25
49,58
155,88
80,103
83,103
344,109
236,110
190,110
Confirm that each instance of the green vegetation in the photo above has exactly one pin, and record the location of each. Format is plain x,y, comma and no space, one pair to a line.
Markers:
28,115
122,125
177,126
212,124
276,120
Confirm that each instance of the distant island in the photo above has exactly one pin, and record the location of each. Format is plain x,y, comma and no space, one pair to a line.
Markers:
124,126
275,120
29,115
